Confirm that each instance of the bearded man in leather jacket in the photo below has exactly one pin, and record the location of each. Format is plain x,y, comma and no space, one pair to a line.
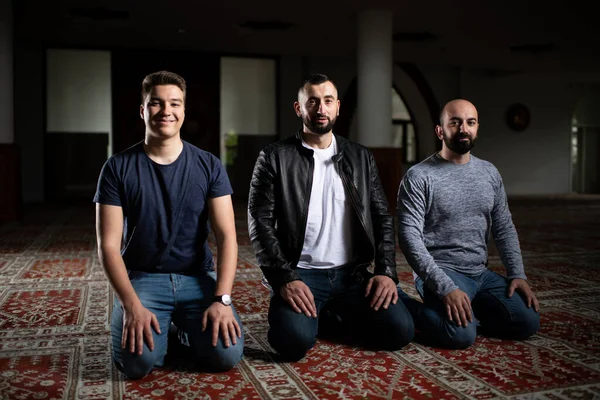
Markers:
318,219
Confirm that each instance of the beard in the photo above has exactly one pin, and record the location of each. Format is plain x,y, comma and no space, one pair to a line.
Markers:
459,146
316,127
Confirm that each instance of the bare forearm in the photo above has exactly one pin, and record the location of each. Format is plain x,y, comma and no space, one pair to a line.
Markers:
115,271
227,254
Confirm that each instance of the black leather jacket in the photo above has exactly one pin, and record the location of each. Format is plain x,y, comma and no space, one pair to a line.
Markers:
278,208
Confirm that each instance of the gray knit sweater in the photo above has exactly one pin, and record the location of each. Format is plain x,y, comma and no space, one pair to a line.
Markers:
446,213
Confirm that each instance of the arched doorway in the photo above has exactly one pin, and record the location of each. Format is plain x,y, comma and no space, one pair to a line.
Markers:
415,104
585,145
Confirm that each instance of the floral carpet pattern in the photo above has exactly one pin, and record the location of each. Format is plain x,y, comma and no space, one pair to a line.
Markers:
55,304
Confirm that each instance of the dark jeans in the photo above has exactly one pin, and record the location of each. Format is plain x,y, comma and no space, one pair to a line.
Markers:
349,318
495,314
181,299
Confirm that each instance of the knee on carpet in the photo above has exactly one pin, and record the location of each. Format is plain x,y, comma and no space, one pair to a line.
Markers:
527,327
136,366
462,338
398,336
291,346
221,359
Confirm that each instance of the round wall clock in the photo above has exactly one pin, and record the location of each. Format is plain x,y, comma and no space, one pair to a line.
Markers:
518,117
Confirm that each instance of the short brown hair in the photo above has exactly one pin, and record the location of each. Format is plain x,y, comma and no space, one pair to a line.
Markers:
162,78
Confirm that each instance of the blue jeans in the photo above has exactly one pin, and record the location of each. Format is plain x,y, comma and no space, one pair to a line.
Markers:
348,318
494,313
181,299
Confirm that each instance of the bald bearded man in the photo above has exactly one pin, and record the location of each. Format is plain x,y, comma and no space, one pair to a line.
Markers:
447,207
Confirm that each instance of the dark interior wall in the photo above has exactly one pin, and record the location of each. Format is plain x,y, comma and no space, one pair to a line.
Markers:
240,172
10,182
72,163
29,71
590,160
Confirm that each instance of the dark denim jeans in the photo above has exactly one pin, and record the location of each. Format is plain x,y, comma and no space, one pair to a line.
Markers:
181,299
495,314
348,319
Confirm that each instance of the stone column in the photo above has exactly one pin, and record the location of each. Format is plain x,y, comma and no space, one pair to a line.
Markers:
375,71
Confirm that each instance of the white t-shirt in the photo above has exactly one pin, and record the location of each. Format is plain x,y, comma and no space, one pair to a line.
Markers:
328,238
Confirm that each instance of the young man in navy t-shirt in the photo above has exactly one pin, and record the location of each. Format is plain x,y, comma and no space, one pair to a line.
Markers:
154,201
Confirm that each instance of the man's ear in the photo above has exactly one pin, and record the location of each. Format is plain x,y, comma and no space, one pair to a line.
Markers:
142,111
439,132
297,109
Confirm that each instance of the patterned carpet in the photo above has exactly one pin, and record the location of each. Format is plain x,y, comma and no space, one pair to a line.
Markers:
55,304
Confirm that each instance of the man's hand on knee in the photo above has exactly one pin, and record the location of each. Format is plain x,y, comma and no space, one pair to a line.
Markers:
458,307
299,297
138,323
223,320
384,291
521,286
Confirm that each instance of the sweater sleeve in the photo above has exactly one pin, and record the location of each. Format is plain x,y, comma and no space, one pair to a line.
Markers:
505,233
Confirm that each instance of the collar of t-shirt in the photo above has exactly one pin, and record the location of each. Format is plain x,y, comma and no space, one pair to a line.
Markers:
326,153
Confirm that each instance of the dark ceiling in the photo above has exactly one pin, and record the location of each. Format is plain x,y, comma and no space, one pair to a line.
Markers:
498,35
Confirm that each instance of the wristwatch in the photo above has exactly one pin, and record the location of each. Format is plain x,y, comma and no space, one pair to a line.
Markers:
224,299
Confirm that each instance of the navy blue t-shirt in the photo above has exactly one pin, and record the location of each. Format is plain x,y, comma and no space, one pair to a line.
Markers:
155,198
